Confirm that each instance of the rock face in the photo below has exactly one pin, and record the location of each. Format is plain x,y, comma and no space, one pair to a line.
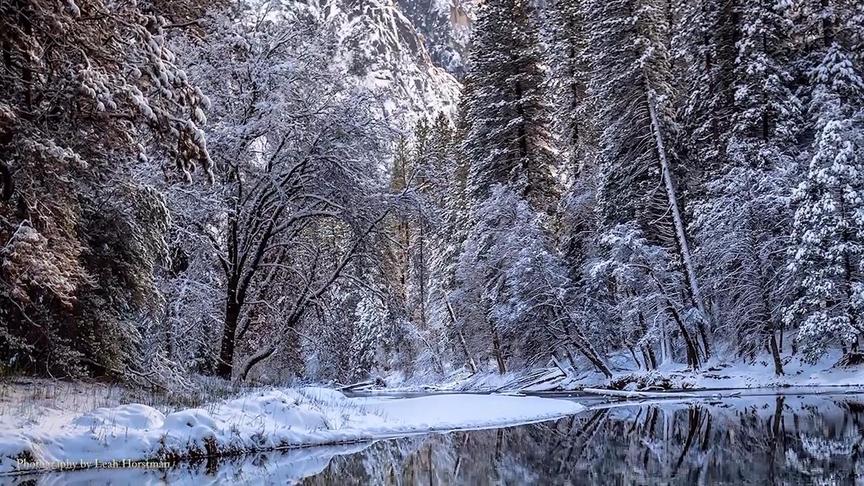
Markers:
445,26
411,51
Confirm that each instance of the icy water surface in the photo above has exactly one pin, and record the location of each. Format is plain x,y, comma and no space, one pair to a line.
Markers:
787,439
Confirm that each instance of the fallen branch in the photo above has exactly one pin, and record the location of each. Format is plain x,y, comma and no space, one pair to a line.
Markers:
637,394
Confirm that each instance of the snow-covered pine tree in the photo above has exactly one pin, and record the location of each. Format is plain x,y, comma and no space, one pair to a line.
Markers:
742,220
704,51
576,125
638,165
452,234
508,144
829,219
569,85
508,138
433,152
436,240
629,62
403,174
765,107
370,317
90,88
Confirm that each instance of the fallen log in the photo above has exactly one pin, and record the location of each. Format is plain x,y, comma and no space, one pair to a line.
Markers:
637,394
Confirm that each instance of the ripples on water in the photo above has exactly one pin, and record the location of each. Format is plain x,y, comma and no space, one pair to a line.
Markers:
753,440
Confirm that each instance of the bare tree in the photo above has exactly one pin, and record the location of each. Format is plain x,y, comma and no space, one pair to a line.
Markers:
294,145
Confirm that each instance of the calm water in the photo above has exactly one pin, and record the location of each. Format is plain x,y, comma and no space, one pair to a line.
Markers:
788,439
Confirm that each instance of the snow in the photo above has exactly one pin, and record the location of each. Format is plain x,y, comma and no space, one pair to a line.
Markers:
259,421
738,374
725,371
463,411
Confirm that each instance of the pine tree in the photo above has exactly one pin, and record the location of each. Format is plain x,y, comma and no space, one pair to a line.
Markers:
630,64
452,235
765,107
632,86
578,131
742,222
507,145
829,219
704,51
569,80
402,175
508,139
92,93
367,333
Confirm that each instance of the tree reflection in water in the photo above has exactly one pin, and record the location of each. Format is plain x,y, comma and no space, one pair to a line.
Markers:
788,439
755,440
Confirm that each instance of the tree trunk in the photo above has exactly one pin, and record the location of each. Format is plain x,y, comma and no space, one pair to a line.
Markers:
422,277
584,347
470,360
232,317
496,347
570,357
771,335
692,353
651,356
775,353
680,229
7,184
665,343
827,25
258,357
633,354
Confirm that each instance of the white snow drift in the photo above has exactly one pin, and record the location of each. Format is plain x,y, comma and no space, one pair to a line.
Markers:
274,418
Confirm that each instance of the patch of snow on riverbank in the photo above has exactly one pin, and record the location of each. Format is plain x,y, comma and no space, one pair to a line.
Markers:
264,420
724,371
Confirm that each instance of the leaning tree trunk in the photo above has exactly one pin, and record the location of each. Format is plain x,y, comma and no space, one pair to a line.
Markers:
472,365
680,231
496,347
584,346
692,353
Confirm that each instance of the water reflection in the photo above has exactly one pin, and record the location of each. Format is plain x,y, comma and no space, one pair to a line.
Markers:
770,440
754,440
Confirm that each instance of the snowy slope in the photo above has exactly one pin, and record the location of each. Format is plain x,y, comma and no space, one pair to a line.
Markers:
260,421
383,49
445,26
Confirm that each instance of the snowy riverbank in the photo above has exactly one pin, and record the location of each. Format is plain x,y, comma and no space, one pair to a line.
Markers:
263,420
716,374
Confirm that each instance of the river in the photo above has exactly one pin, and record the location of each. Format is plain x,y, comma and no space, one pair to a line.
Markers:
767,439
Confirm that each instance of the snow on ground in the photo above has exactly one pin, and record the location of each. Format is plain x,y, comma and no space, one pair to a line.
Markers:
262,420
460,411
758,373
718,373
